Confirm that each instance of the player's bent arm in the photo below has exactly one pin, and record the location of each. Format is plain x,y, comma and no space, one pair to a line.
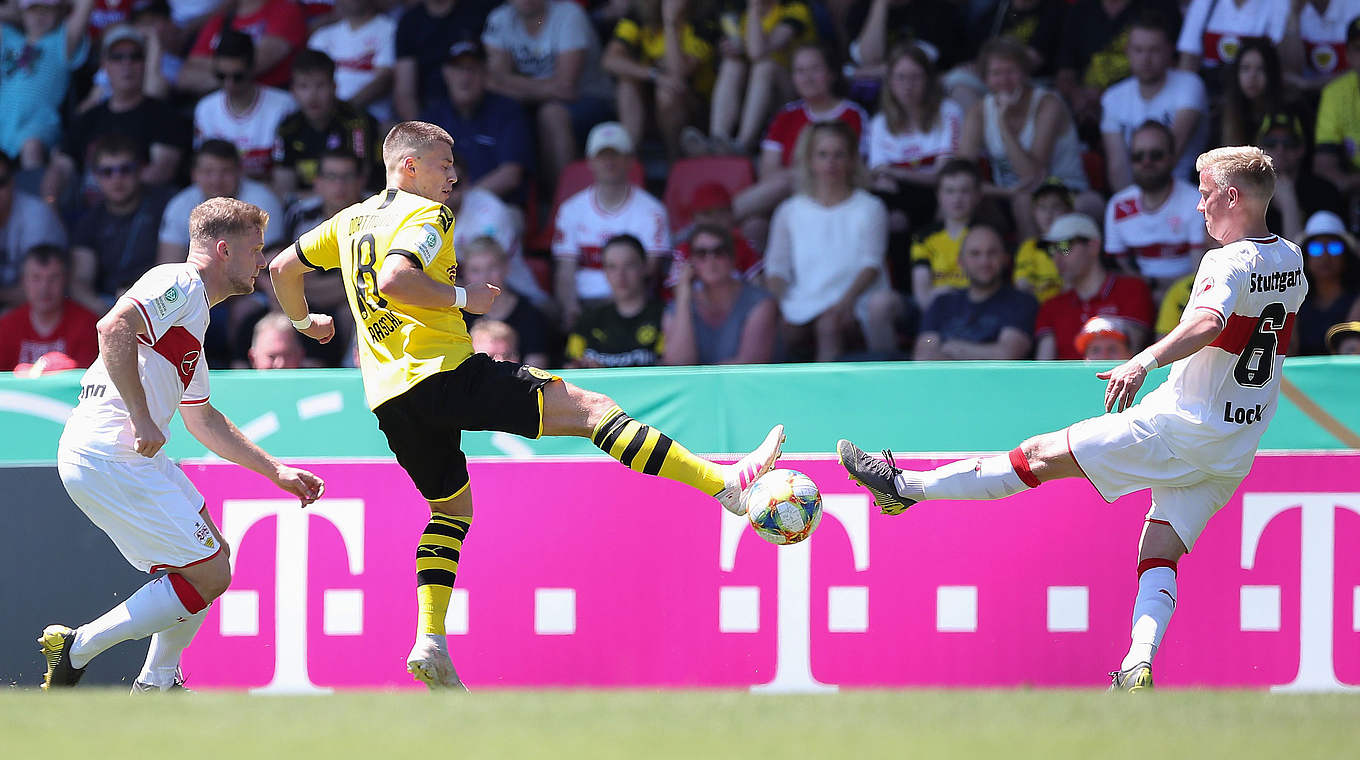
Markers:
1196,331
212,429
286,271
402,280
118,331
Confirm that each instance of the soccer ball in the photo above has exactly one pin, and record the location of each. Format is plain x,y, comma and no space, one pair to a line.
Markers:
784,506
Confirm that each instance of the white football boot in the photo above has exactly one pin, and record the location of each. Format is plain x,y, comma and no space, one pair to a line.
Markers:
430,664
738,477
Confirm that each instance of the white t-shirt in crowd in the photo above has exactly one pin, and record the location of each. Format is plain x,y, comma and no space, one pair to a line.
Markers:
175,218
819,250
583,227
359,53
252,132
1324,37
1216,38
1164,240
172,300
565,27
1216,403
1123,110
483,214
916,149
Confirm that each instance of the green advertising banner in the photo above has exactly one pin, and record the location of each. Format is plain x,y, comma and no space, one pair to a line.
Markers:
907,406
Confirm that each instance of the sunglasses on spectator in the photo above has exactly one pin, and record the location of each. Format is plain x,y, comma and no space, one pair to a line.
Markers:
1139,156
116,170
232,76
711,250
1326,247
125,58
1063,247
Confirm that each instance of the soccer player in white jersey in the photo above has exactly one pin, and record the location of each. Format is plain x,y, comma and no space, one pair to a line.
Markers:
110,459
1192,440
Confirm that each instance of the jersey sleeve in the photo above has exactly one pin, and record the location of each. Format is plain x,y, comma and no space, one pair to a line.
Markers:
197,392
163,303
1192,30
1218,286
564,243
319,247
424,235
1114,244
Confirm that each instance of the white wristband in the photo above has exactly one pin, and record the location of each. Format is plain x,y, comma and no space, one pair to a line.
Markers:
459,297
302,324
1146,359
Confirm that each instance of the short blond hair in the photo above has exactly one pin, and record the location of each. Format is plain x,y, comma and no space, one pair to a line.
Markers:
487,245
218,218
408,138
1246,167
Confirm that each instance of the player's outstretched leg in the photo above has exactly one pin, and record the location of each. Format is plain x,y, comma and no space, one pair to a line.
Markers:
1035,461
568,410
437,556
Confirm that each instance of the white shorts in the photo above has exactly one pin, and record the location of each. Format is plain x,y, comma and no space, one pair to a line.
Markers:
1122,453
147,506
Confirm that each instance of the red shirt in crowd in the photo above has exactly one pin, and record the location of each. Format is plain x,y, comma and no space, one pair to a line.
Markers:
75,336
1062,316
789,122
277,18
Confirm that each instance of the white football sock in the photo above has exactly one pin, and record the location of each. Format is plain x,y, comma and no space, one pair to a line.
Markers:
972,479
162,658
1151,614
154,607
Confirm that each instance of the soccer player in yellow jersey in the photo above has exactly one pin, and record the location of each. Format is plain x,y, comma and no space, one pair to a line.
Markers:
425,385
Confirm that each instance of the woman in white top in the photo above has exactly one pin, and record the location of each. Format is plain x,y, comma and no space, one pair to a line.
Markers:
1024,131
915,131
825,259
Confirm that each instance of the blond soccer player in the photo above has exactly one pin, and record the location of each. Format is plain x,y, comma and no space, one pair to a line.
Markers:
425,384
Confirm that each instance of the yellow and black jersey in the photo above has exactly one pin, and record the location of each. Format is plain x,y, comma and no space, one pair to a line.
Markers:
647,44
399,344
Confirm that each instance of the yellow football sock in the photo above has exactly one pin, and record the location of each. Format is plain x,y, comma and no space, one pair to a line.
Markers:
437,567
647,450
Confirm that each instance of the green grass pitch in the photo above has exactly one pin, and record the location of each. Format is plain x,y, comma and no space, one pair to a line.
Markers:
109,725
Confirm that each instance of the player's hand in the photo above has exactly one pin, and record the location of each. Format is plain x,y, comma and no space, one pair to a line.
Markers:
480,297
1123,385
149,438
300,483
322,328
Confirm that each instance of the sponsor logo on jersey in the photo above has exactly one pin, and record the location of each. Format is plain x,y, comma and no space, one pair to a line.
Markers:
1125,209
169,302
1276,281
188,363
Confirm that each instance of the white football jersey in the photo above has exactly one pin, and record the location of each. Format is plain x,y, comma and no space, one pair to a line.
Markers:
358,52
1216,403
583,227
916,149
252,132
173,302
1123,110
1164,241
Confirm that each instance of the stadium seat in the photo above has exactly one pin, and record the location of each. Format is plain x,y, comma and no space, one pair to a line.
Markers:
574,178
687,174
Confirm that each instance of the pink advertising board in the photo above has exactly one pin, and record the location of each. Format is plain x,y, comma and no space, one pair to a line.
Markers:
582,573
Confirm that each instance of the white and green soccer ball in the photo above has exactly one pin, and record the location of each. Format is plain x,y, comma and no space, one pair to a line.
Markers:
784,506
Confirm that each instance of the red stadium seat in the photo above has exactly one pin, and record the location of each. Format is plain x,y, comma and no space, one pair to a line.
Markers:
573,179
687,174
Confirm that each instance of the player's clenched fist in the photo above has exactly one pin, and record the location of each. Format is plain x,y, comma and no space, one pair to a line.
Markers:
148,437
480,296
322,328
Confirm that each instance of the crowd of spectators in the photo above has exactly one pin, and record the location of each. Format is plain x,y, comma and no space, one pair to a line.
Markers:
689,181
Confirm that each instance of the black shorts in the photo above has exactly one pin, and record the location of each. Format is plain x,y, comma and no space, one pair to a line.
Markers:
424,425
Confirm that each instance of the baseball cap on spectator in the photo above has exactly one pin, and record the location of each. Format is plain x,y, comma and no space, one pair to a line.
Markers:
1327,223
609,135
709,196
1281,120
124,33
1069,226
1339,332
1100,327
52,361
461,48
